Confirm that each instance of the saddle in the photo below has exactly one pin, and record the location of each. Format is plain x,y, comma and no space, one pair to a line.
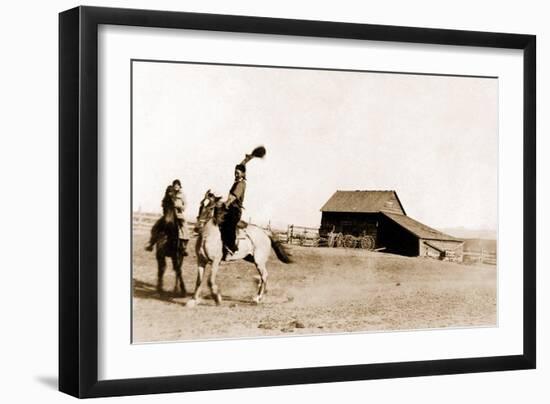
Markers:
241,234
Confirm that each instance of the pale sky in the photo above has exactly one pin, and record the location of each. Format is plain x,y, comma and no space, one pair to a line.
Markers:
433,139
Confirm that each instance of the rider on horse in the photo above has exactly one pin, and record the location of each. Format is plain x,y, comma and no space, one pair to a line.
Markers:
234,207
216,235
178,199
234,203
173,198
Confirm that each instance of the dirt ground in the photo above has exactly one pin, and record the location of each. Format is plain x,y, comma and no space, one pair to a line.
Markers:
326,290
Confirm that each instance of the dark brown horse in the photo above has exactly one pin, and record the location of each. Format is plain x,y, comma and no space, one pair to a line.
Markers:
170,245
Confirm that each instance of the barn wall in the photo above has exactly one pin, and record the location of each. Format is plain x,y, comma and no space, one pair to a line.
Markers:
355,224
453,249
396,239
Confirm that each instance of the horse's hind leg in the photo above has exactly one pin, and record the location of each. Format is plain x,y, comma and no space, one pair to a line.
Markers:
262,287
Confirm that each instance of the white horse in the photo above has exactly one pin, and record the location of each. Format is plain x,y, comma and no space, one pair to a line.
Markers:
254,245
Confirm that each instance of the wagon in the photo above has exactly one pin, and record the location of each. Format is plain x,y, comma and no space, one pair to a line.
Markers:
350,241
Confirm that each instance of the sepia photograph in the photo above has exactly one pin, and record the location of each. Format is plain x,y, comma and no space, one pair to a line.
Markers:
278,201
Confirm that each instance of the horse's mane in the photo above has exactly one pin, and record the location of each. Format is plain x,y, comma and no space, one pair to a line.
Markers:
219,214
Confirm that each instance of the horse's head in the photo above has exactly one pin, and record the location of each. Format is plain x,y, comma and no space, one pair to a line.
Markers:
210,208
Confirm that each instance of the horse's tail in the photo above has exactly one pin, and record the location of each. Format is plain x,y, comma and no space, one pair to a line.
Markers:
280,250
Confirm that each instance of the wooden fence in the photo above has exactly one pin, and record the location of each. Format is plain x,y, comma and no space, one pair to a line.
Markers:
300,235
305,236
480,256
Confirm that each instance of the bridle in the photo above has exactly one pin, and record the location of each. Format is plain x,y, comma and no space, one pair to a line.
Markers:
206,210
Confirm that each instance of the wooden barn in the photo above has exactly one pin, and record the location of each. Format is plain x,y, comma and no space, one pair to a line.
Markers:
381,215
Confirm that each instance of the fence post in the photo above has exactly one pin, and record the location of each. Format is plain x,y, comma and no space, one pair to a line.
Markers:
288,234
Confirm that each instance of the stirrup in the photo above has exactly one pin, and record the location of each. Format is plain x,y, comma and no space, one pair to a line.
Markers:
226,252
241,224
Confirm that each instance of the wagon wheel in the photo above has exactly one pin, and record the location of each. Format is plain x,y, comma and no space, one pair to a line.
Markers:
349,241
339,240
367,242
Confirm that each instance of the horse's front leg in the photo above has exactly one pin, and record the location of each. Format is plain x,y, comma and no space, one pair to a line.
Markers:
201,265
177,264
161,263
212,282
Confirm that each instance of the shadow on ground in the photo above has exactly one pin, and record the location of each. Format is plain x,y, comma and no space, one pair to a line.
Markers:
145,290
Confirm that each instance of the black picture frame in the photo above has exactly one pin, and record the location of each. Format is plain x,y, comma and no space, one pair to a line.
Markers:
78,201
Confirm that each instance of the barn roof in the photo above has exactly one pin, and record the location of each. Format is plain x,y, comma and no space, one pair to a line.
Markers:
360,201
419,229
